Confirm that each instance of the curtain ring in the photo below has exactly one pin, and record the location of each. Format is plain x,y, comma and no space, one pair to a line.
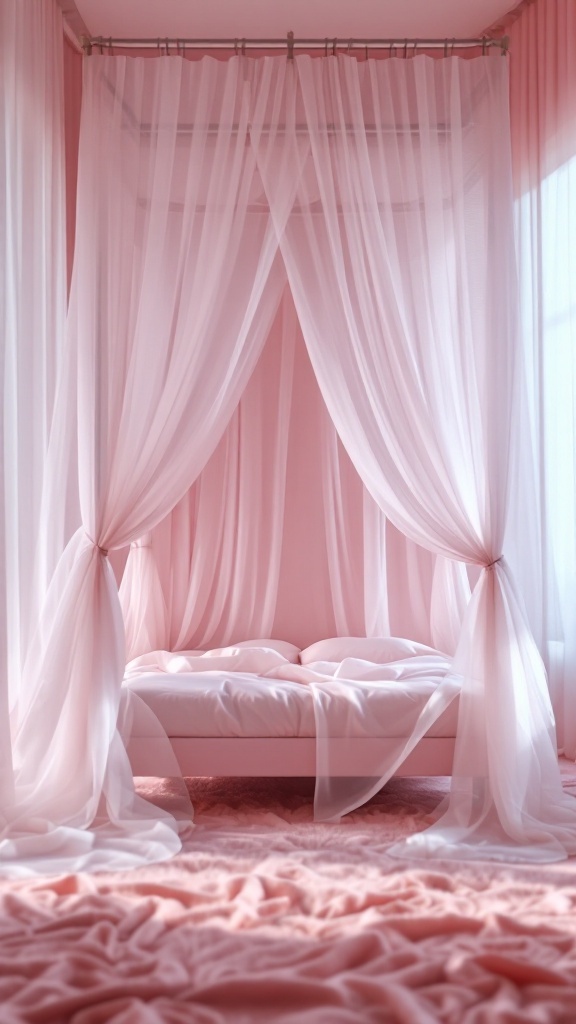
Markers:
445,47
334,46
243,47
326,46
405,48
392,50
483,46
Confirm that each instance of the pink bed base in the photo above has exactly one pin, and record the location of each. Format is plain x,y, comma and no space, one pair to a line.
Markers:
281,756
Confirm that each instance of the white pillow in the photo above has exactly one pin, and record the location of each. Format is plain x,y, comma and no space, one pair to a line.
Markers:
287,650
240,658
379,649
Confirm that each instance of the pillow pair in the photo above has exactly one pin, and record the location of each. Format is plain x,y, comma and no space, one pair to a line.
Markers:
335,649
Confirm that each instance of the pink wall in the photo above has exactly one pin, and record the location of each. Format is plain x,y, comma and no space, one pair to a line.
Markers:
304,610
542,87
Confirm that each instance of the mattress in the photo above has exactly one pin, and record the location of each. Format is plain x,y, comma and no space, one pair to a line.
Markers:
242,704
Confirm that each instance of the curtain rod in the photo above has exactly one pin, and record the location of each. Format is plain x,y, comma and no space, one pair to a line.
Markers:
397,47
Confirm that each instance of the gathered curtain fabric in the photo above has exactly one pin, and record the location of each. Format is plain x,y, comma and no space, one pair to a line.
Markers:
394,215
208,574
160,345
387,187
32,315
391,585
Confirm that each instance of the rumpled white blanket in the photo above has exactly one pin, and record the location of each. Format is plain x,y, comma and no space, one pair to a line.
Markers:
416,690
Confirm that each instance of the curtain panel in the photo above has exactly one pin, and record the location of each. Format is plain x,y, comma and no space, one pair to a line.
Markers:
155,363
208,574
394,217
32,315
542,105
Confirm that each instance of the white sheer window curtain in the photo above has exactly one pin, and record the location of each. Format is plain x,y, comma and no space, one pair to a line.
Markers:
543,102
32,313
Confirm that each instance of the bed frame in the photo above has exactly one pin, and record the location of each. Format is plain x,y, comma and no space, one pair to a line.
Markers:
281,756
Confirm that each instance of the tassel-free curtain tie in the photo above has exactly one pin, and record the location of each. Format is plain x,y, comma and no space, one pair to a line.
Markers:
490,564
141,543
103,551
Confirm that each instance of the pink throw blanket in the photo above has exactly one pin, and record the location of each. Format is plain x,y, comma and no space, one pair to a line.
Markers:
268,917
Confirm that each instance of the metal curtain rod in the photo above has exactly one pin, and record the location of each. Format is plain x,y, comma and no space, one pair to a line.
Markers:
397,47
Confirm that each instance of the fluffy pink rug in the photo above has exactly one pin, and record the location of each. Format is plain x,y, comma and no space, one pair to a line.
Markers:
269,917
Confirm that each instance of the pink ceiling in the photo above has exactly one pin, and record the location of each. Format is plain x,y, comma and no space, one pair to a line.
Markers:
274,18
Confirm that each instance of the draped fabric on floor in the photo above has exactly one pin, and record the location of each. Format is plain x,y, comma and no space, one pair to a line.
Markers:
382,191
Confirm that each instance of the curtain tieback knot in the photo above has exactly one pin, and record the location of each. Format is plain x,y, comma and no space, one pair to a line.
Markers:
490,565
103,551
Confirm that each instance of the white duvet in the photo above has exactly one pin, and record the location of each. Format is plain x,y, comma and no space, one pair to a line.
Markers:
246,691
256,691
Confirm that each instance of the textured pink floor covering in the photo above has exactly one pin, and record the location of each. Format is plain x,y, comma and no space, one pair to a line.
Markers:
269,917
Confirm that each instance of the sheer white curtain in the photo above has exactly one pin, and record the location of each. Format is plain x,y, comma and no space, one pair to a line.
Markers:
395,217
376,575
426,596
142,598
208,575
449,597
355,536
543,101
32,312
154,365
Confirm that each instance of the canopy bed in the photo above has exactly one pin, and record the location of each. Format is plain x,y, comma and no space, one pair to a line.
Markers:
265,708
379,193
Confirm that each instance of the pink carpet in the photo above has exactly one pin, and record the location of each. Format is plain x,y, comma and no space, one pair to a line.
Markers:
269,917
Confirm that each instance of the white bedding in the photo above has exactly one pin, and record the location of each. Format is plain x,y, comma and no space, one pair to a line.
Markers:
383,699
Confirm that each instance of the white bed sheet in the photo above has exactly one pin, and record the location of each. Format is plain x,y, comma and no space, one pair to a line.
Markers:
242,704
